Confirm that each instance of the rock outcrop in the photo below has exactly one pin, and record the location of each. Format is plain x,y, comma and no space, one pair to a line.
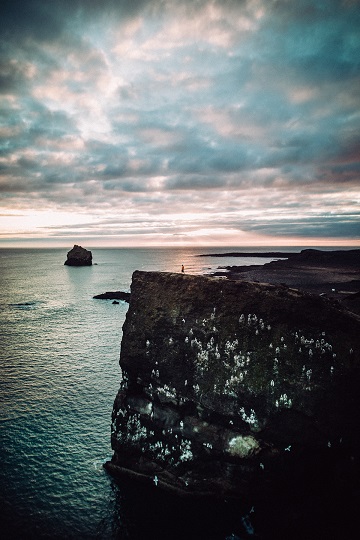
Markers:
79,256
113,295
232,389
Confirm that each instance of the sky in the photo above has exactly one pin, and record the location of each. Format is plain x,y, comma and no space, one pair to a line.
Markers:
179,123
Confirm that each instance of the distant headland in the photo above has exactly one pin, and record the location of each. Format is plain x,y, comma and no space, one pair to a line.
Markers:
267,254
334,273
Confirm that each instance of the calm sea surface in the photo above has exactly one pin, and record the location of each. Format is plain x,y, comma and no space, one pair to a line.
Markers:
59,375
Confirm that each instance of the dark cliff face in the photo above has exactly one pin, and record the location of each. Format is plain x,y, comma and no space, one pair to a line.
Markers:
233,388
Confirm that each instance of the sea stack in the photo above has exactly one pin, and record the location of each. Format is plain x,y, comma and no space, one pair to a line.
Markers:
79,256
232,388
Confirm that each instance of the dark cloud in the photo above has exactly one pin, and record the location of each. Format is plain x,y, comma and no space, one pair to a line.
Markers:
46,20
195,182
320,227
32,18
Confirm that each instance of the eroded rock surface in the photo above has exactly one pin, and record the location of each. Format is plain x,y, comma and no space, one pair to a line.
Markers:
231,388
79,256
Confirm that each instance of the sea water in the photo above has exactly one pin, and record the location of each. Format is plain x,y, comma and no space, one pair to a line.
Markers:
59,374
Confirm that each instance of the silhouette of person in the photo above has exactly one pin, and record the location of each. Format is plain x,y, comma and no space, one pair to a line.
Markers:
182,268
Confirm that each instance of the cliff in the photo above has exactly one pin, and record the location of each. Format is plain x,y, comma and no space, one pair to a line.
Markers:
231,388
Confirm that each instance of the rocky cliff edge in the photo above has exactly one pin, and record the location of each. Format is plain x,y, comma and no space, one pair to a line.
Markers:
233,388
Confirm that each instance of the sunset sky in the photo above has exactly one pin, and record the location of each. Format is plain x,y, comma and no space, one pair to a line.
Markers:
134,122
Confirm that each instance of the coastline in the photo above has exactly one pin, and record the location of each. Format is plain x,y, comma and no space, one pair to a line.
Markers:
333,274
279,254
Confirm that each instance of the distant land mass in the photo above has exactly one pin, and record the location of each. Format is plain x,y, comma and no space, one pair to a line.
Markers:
339,256
267,254
334,274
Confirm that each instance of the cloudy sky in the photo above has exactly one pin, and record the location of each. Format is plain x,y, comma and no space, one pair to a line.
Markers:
202,122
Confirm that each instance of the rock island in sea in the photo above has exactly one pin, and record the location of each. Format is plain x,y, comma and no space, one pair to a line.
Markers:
234,389
78,256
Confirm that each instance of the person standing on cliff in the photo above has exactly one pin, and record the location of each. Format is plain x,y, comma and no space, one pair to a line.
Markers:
182,269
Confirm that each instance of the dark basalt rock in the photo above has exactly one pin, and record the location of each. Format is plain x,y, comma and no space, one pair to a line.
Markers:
232,389
113,295
79,256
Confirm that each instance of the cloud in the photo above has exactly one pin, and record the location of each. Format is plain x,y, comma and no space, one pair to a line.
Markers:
176,107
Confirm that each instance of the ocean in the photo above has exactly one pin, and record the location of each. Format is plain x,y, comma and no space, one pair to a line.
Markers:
59,376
